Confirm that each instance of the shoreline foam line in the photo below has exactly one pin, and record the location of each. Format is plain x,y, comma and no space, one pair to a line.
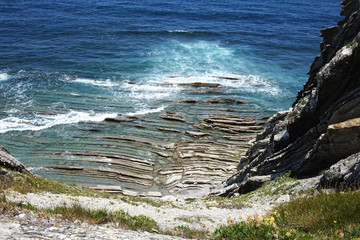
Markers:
19,124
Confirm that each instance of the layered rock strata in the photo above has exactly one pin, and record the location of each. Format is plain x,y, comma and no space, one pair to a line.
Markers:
185,147
10,162
323,125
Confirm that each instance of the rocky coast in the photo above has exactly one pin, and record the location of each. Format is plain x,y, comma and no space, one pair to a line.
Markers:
321,129
317,141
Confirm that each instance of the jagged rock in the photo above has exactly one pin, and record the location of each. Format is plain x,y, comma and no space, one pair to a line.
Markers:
8,161
344,174
322,126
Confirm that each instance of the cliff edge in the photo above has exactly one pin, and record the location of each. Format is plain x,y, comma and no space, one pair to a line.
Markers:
323,125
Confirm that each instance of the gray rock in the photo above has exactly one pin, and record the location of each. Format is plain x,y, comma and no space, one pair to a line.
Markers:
8,161
344,174
323,125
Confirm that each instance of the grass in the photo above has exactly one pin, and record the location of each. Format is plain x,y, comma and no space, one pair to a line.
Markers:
353,44
283,184
327,214
120,218
25,205
30,183
313,216
100,216
322,216
229,203
257,229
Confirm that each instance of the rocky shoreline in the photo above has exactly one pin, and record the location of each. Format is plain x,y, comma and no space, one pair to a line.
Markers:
173,153
317,140
322,127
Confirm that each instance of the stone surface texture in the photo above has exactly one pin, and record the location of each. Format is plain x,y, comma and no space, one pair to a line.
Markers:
8,161
344,174
323,125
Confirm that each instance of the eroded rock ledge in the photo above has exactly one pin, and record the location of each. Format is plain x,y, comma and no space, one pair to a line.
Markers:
323,125
10,162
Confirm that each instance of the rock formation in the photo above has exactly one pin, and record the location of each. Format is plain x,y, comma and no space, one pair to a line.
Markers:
344,174
323,125
8,161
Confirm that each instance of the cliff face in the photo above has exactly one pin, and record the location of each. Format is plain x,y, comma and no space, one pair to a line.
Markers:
323,125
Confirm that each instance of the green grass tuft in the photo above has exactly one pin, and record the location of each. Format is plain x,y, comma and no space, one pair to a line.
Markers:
121,218
30,183
322,216
322,213
257,230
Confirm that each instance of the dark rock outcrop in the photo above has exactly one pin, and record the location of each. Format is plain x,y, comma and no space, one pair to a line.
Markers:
323,125
8,161
344,174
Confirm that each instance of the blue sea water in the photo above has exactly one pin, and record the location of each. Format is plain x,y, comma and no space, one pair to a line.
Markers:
69,62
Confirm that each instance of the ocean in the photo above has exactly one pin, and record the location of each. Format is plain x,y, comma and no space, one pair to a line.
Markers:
67,65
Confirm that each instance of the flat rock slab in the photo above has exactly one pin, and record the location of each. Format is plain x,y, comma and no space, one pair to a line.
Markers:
119,119
197,134
221,100
201,84
173,118
189,100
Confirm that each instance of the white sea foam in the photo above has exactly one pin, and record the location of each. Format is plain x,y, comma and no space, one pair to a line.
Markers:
146,111
206,62
105,83
152,91
42,122
4,76
248,83
34,169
